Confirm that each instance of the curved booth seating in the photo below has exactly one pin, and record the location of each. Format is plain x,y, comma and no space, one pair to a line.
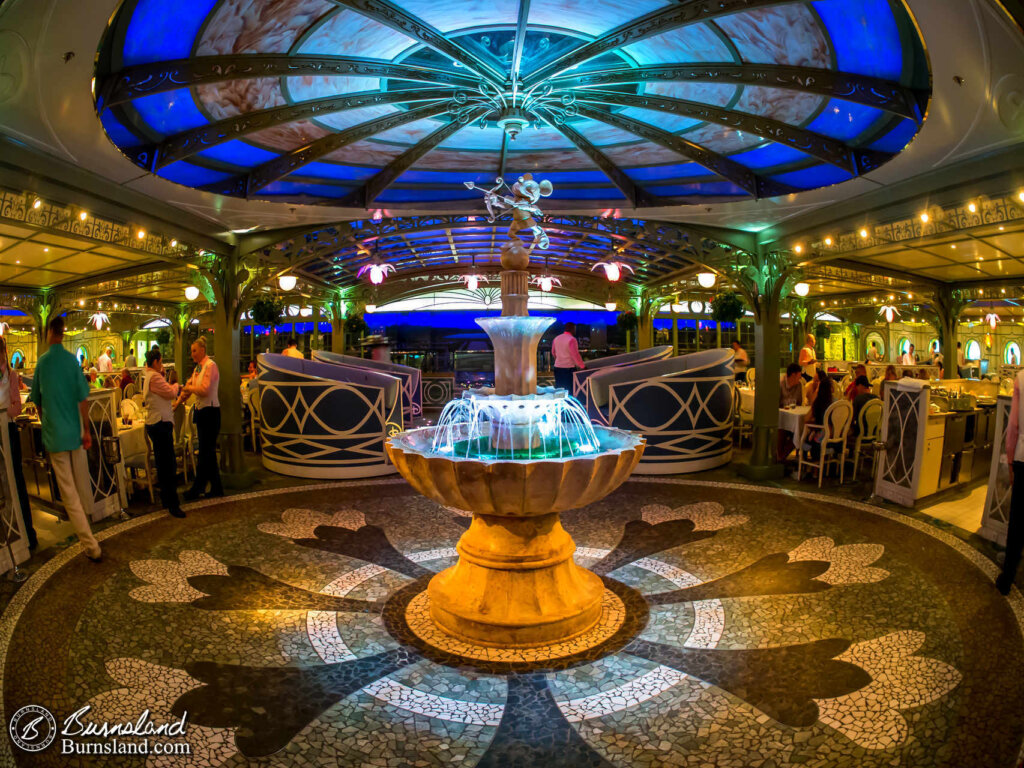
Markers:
580,388
412,378
682,405
326,421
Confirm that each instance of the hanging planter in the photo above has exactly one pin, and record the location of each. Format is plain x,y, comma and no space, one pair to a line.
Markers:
627,320
267,310
356,325
727,307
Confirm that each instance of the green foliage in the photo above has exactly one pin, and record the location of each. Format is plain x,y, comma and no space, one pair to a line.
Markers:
356,325
822,330
163,337
267,310
627,320
727,307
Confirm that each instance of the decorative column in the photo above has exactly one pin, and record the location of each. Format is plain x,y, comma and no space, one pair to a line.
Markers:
766,280
946,305
336,308
645,321
43,309
180,320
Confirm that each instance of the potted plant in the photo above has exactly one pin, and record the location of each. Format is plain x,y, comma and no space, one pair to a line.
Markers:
628,322
267,310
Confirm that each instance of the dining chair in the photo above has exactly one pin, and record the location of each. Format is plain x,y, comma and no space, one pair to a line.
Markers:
869,427
141,462
743,417
255,419
751,376
833,433
130,391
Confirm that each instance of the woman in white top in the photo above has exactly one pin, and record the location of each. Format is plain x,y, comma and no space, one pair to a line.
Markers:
741,361
159,397
808,359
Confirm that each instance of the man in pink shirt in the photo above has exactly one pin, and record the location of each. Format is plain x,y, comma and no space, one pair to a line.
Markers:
567,357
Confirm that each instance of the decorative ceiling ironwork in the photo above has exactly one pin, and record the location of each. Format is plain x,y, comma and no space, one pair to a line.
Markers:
374,103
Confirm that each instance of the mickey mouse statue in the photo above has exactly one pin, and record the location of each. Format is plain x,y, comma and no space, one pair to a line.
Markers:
523,204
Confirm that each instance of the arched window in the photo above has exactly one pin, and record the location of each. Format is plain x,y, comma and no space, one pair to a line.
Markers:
934,344
1011,355
82,354
875,340
973,350
903,346
17,359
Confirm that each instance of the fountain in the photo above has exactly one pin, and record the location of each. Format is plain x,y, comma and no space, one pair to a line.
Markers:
516,457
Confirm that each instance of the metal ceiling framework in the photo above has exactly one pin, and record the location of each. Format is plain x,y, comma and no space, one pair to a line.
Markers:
466,87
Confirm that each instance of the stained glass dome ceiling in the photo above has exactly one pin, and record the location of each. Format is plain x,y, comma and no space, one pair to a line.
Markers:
620,103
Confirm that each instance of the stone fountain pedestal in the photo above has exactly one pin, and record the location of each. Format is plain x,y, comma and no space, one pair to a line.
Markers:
515,583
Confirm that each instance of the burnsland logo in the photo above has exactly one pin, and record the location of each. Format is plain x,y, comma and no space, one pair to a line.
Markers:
34,728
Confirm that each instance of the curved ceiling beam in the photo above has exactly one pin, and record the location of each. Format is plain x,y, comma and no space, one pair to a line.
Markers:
182,145
851,159
680,14
730,170
161,76
372,187
870,91
272,170
636,196
395,17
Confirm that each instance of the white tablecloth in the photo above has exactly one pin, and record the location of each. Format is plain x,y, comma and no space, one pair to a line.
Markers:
133,438
793,419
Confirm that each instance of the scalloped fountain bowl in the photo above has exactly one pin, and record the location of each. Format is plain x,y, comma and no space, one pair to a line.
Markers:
516,583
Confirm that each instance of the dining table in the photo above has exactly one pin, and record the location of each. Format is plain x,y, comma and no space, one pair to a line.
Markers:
791,418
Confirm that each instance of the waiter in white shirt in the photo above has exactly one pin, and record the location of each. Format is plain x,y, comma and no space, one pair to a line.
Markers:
103,363
908,357
203,384
159,397
567,357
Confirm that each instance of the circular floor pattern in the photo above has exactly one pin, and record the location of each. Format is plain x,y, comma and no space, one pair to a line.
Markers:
757,627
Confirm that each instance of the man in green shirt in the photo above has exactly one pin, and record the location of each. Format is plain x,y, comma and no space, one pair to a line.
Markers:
61,394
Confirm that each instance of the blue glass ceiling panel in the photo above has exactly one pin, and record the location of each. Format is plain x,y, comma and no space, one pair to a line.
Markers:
118,133
561,177
769,156
809,178
170,112
482,178
425,193
334,171
898,138
864,36
238,153
711,188
149,37
845,120
595,193
658,172
297,188
191,175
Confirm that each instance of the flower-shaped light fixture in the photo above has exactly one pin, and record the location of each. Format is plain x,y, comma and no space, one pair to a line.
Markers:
546,282
472,281
98,319
376,270
287,282
612,269
992,319
889,312
191,292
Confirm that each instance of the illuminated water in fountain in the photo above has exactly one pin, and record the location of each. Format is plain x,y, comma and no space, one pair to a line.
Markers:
547,425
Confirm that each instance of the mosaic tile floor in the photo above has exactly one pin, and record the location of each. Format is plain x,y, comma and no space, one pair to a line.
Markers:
742,627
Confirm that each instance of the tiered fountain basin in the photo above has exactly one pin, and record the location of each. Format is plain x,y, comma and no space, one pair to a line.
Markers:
516,583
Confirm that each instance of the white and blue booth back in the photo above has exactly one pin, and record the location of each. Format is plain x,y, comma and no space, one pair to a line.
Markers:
682,405
580,378
326,421
412,386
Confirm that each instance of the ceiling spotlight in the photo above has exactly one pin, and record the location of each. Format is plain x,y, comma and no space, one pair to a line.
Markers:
798,249
864,233
371,308
82,216
924,218
287,282
191,292
141,234
1020,195
37,203
707,279
174,243
81,302
972,207
828,241
801,289
610,306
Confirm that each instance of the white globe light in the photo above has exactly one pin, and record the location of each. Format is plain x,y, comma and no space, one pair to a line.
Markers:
678,308
371,308
287,282
545,284
191,292
706,279
306,311
610,306
697,307
802,289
